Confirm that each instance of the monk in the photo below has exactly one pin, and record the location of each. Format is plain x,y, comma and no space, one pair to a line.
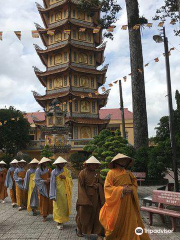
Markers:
61,192
3,189
10,183
120,215
42,181
30,187
19,175
90,200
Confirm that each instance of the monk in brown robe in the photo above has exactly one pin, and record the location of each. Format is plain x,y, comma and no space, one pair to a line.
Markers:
90,200
42,181
3,189
120,215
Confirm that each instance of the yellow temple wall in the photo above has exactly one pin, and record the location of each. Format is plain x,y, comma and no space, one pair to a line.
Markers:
85,106
58,82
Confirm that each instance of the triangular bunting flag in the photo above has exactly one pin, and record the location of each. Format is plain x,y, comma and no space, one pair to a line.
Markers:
149,25
136,27
124,27
50,32
18,34
1,36
96,30
82,29
156,59
111,29
161,24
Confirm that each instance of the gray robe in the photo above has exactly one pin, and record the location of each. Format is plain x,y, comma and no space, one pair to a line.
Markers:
34,201
17,179
40,182
9,180
52,192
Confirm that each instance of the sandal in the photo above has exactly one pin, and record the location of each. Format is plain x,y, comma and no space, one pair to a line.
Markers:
78,233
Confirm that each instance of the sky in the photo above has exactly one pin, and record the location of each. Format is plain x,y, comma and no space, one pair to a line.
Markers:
17,78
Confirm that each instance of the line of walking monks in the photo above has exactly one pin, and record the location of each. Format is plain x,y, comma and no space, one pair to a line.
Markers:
110,210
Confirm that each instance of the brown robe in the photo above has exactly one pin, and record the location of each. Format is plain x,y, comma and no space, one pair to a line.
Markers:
3,189
45,204
89,203
21,195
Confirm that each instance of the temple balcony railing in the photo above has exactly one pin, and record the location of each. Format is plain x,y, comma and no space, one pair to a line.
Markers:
36,145
64,89
58,67
83,65
80,89
79,143
80,43
83,115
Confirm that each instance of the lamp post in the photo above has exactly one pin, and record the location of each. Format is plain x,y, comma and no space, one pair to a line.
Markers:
160,39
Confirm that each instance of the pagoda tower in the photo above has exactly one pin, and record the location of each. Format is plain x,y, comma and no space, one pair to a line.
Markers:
73,51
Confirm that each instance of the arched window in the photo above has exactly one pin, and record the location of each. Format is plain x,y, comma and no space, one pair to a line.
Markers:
58,59
83,58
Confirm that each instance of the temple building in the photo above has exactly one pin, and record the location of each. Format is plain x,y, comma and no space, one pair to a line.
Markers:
73,51
38,138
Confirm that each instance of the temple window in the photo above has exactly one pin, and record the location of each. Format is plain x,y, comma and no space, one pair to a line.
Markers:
65,13
75,132
65,56
83,58
59,121
76,106
81,15
50,83
65,36
58,16
57,37
90,59
85,132
58,59
51,39
58,82
75,80
65,107
85,106
95,131
82,36
75,57
88,17
74,34
89,37
51,60
84,81
65,80
50,120
74,13
93,107
92,82
52,18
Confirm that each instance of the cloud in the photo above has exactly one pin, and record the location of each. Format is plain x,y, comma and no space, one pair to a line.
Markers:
17,77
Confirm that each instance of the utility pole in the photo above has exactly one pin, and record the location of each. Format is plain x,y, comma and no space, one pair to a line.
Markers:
171,113
122,110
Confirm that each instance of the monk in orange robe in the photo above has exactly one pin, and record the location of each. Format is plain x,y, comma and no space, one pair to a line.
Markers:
42,181
21,194
3,189
120,215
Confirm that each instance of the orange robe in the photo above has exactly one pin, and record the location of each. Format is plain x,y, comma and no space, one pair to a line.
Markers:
13,190
21,194
120,215
3,189
45,204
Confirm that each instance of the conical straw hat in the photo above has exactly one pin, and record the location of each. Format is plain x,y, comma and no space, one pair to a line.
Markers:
22,161
34,161
59,160
92,159
121,156
14,161
2,163
44,160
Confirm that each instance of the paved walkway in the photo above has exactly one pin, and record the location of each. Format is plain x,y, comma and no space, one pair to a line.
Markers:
21,225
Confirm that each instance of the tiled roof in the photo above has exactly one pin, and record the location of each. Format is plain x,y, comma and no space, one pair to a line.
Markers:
103,113
115,113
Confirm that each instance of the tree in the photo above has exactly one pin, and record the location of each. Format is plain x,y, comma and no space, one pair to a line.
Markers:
14,131
110,9
138,85
170,9
106,145
77,160
46,152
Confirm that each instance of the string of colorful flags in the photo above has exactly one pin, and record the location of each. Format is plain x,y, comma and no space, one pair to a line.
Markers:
35,33
12,119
